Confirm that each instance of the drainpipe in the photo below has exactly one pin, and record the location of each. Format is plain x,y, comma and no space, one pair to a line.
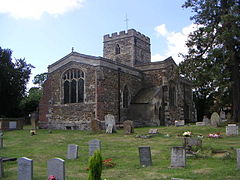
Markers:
119,95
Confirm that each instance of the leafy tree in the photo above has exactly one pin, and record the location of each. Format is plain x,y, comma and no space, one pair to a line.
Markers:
213,58
39,79
14,75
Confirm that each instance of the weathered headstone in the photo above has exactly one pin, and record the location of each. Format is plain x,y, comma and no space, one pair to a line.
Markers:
110,123
200,124
25,169
179,123
1,167
238,158
94,145
56,167
222,116
178,157
72,151
206,120
189,142
1,142
215,119
128,127
229,117
232,130
12,125
145,156
153,131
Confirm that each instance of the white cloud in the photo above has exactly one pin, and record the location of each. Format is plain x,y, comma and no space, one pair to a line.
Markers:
33,9
175,42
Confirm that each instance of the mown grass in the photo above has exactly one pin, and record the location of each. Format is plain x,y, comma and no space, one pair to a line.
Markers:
123,149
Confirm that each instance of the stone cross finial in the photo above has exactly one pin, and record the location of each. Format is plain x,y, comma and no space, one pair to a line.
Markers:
72,49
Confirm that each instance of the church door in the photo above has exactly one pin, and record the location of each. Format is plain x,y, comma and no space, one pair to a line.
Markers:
161,116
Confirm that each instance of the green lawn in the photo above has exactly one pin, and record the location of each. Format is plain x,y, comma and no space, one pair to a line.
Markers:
123,149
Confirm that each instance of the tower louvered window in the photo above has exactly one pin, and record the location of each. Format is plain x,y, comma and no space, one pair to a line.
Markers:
73,86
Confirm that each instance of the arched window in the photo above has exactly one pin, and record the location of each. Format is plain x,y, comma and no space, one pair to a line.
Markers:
172,95
125,97
73,86
117,49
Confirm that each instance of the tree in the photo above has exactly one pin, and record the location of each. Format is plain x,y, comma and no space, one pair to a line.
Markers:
39,79
14,75
95,166
213,58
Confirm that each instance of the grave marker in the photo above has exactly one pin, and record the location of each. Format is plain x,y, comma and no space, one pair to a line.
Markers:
238,158
178,157
93,146
25,169
232,130
145,156
189,141
179,123
1,167
200,124
72,151
215,119
110,123
128,127
206,120
56,167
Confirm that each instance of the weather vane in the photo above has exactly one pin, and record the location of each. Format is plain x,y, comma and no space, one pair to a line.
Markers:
126,20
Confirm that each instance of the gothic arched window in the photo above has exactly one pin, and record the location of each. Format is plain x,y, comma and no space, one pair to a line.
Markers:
117,49
172,95
125,97
73,86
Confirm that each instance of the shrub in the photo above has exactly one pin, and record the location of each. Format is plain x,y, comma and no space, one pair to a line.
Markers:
95,166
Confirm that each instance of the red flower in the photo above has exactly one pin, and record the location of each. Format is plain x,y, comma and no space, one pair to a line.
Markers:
51,177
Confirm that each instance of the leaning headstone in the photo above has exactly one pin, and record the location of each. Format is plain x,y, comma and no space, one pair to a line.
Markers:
110,123
1,142
232,130
190,142
238,158
153,131
215,119
145,156
128,127
56,168
72,151
206,120
178,157
1,167
25,169
200,124
94,145
179,123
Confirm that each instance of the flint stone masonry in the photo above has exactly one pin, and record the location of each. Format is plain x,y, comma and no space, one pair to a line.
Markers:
25,169
178,157
93,146
145,156
72,151
232,130
1,167
56,167
238,158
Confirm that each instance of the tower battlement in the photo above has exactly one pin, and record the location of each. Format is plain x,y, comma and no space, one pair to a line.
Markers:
123,34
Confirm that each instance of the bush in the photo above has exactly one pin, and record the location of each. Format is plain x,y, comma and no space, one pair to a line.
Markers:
95,166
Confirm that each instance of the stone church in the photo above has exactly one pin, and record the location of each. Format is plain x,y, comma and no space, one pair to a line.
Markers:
124,82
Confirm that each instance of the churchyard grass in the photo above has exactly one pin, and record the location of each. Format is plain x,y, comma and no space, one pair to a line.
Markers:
123,149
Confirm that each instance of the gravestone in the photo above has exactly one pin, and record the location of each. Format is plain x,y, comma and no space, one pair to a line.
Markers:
1,167
12,125
93,146
176,179
206,120
25,169
200,124
215,119
56,167
189,142
232,130
1,142
238,158
72,151
128,127
229,117
145,156
110,123
179,123
178,157
153,131
34,120
222,116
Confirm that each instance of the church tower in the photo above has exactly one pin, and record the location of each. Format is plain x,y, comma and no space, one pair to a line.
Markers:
129,48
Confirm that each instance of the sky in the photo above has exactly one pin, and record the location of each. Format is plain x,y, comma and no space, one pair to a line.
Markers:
43,31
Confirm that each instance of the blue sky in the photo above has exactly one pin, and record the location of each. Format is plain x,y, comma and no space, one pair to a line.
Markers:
43,31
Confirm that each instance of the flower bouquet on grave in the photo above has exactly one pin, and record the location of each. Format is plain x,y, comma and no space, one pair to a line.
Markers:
187,134
51,177
214,135
108,163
